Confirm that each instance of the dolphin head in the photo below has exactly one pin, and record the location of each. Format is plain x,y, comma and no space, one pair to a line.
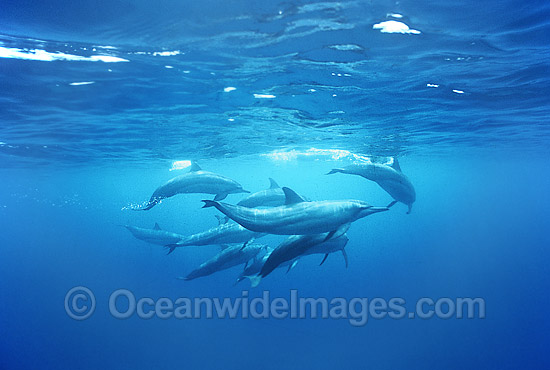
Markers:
239,190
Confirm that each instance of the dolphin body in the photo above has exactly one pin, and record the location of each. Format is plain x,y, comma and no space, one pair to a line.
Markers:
272,197
255,267
195,181
297,217
154,235
300,245
224,233
230,256
390,178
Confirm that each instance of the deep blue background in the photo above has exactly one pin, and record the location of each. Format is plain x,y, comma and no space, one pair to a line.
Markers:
72,157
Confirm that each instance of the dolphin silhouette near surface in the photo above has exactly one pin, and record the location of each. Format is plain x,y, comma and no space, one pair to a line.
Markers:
195,181
389,178
297,217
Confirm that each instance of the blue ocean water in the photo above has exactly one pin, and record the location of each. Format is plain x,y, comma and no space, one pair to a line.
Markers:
100,102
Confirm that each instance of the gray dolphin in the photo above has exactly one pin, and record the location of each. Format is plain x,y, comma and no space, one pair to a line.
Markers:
301,245
297,217
224,233
154,235
195,181
228,257
390,178
272,197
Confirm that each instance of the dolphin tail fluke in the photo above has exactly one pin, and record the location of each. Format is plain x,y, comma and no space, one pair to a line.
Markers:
209,203
335,170
324,259
345,257
171,248
255,280
391,204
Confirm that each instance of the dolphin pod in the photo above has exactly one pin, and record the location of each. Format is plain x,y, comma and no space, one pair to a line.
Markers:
311,227
297,217
195,181
389,178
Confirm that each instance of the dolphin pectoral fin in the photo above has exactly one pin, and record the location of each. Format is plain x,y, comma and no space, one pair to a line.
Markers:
220,196
330,235
245,265
345,257
410,209
335,170
245,244
391,204
292,266
255,280
324,259
209,203
171,248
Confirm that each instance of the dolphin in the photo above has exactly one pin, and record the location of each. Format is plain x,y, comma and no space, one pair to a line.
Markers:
255,267
300,245
390,178
195,181
154,235
297,217
224,233
228,257
272,197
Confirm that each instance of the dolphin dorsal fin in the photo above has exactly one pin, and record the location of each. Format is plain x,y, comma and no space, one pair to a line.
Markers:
292,197
273,184
395,165
157,227
194,167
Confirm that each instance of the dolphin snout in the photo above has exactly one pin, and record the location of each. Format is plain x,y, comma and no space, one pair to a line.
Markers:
378,209
373,210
